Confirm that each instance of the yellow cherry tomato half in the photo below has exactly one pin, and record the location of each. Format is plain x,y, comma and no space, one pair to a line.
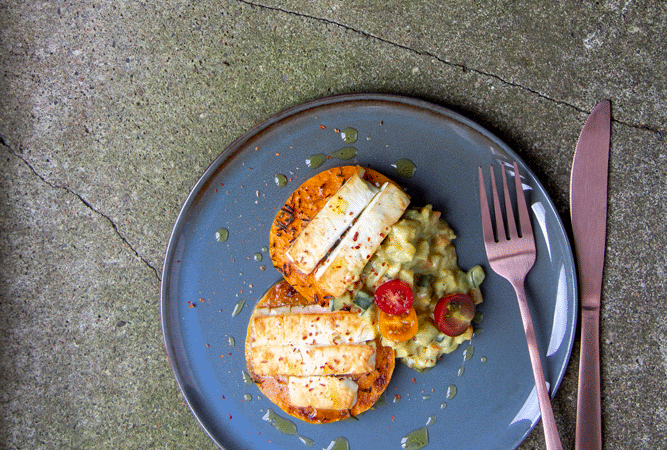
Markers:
398,327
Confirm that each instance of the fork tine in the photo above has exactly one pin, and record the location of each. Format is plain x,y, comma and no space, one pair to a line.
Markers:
487,228
511,221
500,226
524,217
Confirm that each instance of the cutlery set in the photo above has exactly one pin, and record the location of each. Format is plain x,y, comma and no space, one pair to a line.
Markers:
512,255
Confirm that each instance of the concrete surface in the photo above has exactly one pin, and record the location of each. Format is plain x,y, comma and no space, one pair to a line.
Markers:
111,109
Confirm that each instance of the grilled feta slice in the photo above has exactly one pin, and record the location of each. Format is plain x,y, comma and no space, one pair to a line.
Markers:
322,392
343,266
345,359
322,232
312,329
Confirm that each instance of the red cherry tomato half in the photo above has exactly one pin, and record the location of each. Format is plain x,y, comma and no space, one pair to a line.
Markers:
394,297
453,313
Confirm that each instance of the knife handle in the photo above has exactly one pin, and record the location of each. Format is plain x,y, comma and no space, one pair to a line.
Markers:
589,433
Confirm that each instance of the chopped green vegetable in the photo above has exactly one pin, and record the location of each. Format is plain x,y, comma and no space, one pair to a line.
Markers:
363,300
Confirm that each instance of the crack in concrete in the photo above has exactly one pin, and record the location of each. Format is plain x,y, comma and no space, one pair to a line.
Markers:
86,203
463,67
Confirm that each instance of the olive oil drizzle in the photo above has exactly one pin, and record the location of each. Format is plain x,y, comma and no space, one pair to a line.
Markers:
222,235
286,427
238,307
340,443
404,167
418,438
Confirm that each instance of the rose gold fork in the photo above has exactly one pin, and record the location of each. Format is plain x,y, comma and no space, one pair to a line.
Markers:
512,258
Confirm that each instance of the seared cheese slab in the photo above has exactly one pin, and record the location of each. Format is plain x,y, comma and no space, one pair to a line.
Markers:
312,329
280,310
322,232
343,266
347,359
322,392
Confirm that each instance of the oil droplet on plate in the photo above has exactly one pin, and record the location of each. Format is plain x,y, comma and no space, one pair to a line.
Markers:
280,180
443,405
349,135
461,370
308,442
238,307
451,391
316,160
404,167
265,249
222,235
283,425
415,439
257,256
247,397
345,153
246,378
468,352
340,443
483,359
231,341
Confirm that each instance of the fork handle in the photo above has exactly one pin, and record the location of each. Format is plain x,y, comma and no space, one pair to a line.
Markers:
548,421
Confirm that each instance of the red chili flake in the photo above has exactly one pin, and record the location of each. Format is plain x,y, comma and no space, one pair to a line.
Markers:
230,417
322,127
392,418
336,130
413,380
356,235
208,345
216,190
398,397
277,154
202,300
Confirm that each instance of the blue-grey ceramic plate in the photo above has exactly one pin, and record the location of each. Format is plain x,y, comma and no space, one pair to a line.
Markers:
205,281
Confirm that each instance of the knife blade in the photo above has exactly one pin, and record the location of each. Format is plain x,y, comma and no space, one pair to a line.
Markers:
588,210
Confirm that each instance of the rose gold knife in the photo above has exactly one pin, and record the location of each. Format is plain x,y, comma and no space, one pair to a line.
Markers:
588,209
